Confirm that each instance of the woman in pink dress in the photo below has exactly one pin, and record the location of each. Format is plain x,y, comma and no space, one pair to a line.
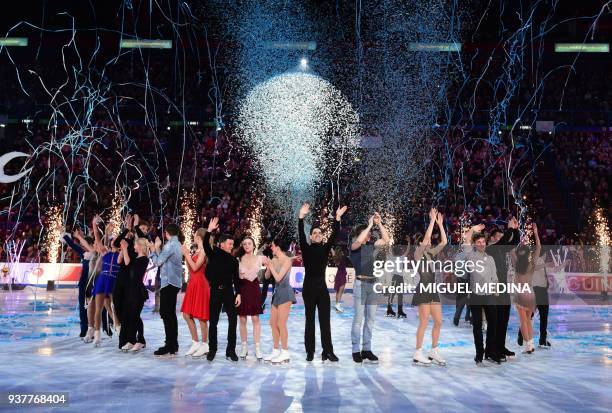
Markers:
197,297
250,294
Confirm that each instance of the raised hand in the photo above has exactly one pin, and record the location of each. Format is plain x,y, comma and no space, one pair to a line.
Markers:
213,224
513,223
304,210
124,244
340,211
158,242
185,250
136,220
478,228
440,219
433,213
371,221
377,219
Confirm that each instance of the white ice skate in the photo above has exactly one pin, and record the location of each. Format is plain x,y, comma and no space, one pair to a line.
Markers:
528,347
194,346
127,347
89,336
97,341
419,358
244,350
339,308
282,358
201,351
272,355
435,358
137,347
258,352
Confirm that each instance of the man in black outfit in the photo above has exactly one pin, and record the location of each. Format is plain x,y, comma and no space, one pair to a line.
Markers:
314,290
500,244
222,273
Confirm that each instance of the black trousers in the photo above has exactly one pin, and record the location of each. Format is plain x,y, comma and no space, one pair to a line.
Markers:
167,311
222,298
82,309
396,281
503,316
541,294
317,300
477,307
131,325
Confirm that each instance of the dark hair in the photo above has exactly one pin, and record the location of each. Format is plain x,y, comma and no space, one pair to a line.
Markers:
477,236
314,226
143,222
357,230
522,259
172,230
241,250
281,242
418,237
224,237
494,232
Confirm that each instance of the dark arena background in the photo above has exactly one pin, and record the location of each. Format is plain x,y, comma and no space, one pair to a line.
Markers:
220,205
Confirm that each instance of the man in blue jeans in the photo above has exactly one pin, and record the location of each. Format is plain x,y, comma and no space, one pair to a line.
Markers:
170,259
362,255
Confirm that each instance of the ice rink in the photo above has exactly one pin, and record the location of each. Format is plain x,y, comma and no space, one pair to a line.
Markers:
41,351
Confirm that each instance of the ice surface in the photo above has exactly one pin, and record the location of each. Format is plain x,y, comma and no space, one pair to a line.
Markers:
41,351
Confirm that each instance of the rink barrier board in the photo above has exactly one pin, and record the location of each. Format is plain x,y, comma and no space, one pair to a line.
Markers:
67,275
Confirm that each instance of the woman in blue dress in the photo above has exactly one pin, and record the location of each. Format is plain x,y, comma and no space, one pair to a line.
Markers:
105,280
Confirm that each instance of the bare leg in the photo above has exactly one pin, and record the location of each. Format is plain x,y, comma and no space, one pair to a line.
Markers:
436,315
204,330
99,303
283,316
424,311
191,326
256,328
274,325
339,294
243,328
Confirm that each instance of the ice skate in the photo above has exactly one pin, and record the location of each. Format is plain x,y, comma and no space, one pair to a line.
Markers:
127,347
97,341
419,359
281,358
137,347
272,355
390,312
339,308
194,347
258,354
89,336
545,345
201,351
401,313
244,350
435,358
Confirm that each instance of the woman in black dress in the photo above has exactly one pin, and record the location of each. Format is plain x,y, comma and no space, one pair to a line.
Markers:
135,294
426,297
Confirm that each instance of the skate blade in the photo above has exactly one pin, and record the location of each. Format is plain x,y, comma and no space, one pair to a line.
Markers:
544,347
420,363
369,362
437,363
280,363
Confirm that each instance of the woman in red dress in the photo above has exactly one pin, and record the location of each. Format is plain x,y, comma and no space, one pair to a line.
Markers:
197,297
